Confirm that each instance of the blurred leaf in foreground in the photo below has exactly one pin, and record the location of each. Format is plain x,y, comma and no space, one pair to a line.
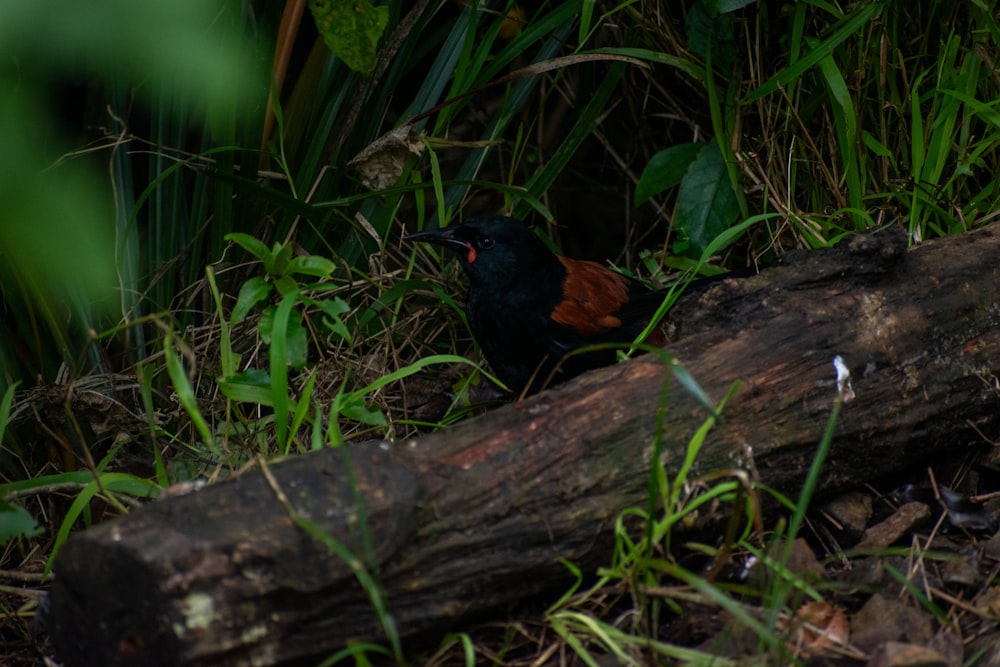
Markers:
61,253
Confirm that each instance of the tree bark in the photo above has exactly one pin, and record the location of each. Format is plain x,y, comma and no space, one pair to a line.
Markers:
475,517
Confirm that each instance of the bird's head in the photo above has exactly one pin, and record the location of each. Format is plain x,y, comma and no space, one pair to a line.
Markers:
492,248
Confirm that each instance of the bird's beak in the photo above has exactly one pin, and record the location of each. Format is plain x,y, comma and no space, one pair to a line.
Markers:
443,237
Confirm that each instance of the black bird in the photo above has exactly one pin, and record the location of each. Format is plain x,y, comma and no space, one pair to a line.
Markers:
528,307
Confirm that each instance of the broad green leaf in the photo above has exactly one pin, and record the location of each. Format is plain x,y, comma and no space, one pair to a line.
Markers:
706,205
251,293
351,29
266,324
333,309
282,259
665,170
15,521
286,285
252,245
298,344
354,407
296,341
251,386
312,265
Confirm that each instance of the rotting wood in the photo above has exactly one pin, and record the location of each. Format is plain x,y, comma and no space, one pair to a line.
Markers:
473,518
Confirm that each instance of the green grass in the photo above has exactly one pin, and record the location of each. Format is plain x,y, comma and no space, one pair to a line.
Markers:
212,266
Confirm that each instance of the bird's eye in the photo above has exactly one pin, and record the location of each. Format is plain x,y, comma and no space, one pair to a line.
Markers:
485,242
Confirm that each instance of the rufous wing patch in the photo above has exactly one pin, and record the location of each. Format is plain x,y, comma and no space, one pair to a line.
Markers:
592,297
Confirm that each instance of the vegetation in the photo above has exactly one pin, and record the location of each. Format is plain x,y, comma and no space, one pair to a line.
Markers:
203,207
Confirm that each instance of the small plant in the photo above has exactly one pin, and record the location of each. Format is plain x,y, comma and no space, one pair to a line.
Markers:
283,328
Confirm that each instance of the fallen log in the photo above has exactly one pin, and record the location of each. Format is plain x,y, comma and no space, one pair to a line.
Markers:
467,520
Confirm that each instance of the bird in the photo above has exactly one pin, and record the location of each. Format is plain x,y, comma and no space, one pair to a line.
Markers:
530,309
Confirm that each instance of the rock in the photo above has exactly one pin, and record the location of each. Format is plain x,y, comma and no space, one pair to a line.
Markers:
882,620
964,569
851,511
896,654
950,646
